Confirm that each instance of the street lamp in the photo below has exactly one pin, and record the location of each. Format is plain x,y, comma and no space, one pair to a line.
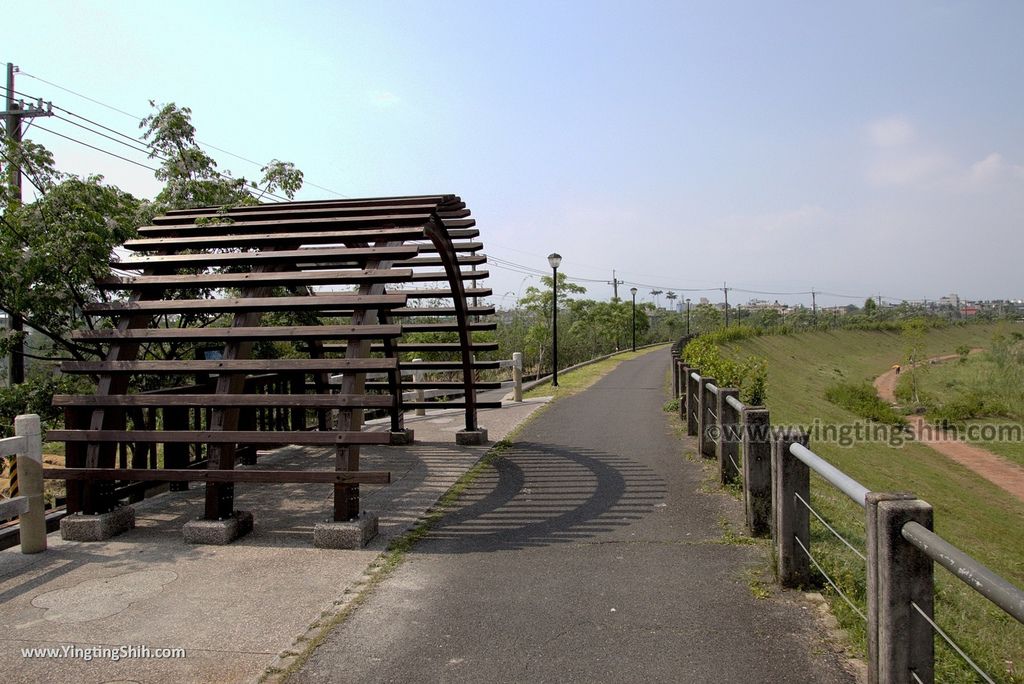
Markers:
632,291
687,316
554,260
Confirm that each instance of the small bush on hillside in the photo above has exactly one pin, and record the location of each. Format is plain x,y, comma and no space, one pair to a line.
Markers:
861,399
750,375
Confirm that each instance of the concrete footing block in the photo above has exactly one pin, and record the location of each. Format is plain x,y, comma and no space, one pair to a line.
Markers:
402,437
88,528
471,437
218,532
350,534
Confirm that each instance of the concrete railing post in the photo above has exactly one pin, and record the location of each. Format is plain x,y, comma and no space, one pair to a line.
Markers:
684,377
517,375
900,640
31,523
417,376
692,403
791,523
757,471
706,418
675,375
727,448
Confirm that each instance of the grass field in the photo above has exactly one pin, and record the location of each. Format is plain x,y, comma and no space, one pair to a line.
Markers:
970,512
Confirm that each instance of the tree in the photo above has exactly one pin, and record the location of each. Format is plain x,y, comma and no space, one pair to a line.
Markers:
707,317
537,303
671,297
655,294
870,307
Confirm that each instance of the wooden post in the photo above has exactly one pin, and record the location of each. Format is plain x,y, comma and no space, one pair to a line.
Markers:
727,446
176,455
757,471
790,478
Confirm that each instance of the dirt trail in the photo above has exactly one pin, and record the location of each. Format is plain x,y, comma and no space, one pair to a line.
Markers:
1000,472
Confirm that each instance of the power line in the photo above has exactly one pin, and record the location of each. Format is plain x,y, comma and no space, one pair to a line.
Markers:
98,149
139,118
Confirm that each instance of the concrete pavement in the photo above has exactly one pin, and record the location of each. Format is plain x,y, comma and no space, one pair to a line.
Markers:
587,552
234,609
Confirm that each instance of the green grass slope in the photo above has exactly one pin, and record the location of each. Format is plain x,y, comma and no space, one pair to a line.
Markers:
970,512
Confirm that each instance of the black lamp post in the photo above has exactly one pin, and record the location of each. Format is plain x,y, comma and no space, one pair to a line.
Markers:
632,291
687,317
554,260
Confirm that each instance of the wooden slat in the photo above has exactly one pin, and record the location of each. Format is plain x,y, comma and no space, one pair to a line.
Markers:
452,347
339,212
439,293
294,332
441,276
465,260
324,302
324,255
203,475
217,437
231,366
409,405
218,280
440,311
447,327
447,365
435,384
264,239
214,400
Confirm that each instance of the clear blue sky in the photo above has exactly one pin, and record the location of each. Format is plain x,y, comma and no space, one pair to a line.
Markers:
856,148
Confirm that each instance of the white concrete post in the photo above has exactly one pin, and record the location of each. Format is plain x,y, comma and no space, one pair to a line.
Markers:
417,376
32,523
517,375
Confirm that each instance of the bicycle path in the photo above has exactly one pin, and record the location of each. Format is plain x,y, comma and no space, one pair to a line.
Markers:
586,552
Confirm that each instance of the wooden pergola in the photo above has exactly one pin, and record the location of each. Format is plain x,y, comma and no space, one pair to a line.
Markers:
354,278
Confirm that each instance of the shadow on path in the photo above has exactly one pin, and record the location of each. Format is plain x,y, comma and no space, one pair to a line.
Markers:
537,495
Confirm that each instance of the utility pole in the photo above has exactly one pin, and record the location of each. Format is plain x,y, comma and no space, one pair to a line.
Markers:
14,112
726,291
814,305
615,282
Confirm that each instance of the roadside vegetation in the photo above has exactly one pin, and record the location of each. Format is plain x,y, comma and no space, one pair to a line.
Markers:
981,389
972,513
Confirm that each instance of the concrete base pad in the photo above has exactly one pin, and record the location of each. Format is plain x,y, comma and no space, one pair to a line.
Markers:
218,532
402,437
471,437
87,528
351,534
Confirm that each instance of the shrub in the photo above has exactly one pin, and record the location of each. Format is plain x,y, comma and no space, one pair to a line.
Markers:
861,399
750,375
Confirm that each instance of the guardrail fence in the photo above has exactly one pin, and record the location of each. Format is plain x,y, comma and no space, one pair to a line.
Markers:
773,467
27,448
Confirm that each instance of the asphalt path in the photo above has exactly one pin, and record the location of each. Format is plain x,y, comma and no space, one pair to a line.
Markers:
591,551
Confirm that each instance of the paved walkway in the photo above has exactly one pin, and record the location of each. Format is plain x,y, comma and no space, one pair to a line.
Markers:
236,608
586,553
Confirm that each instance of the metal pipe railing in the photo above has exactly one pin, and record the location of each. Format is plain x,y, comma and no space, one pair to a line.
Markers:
735,403
837,478
968,570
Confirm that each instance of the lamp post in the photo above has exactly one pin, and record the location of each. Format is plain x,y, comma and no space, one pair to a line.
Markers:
632,291
687,316
554,260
